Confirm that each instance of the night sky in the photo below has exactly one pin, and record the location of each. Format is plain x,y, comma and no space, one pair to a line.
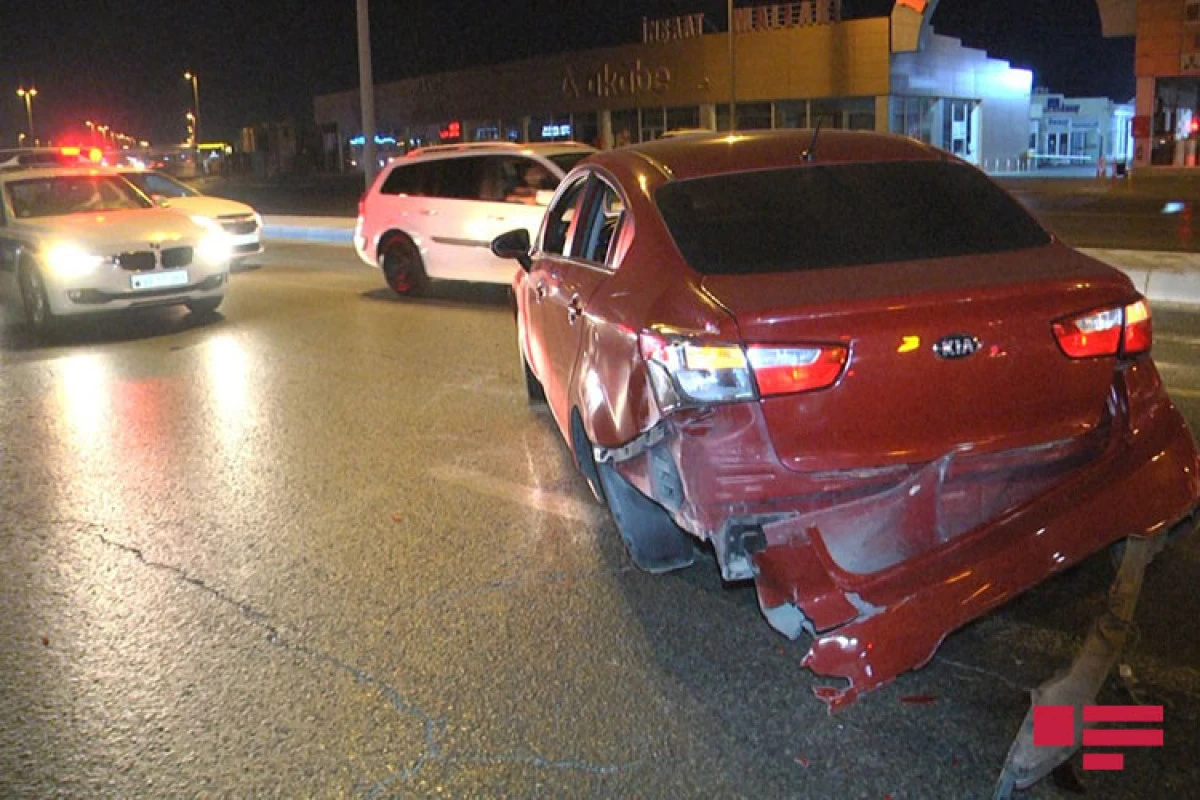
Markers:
122,63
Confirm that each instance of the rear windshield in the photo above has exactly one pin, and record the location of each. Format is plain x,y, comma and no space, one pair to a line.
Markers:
813,217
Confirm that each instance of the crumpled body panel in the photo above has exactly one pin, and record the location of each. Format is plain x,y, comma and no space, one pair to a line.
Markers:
879,567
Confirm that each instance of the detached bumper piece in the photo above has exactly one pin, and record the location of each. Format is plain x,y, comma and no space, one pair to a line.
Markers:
879,582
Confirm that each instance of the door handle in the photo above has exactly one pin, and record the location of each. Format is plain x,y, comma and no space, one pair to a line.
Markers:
540,291
574,309
429,212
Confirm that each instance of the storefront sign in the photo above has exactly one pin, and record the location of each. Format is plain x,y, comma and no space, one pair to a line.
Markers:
686,26
1056,104
624,80
556,131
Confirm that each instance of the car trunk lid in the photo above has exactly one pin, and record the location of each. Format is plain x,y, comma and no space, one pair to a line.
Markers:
912,390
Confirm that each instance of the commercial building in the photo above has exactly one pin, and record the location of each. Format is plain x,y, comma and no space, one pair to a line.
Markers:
794,65
1079,130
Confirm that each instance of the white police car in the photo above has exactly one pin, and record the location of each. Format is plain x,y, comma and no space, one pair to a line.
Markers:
80,240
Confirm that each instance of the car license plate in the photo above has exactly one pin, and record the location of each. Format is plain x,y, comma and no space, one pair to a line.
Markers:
159,280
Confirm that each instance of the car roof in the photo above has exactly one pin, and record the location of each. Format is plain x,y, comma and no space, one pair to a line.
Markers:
699,154
51,171
513,148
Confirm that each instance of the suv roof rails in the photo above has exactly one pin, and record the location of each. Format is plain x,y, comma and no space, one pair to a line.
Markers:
497,145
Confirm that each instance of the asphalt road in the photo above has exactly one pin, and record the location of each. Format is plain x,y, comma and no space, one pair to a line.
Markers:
321,547
1142,213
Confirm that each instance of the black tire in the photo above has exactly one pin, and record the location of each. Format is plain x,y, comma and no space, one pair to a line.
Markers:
402,267
39,318
533,387
654,542
205,306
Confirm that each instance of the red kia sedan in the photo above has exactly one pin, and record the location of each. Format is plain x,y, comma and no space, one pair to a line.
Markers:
856,367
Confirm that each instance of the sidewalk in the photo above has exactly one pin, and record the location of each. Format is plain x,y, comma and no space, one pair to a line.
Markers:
1163,277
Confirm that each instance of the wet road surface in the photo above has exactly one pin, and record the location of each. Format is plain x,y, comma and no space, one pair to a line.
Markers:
320,546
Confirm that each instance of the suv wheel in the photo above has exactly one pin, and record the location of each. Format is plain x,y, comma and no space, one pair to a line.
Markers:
402,266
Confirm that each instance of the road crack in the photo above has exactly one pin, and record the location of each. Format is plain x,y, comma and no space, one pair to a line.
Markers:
431,725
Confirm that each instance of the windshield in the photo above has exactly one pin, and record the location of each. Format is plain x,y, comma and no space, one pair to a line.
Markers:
815,217
152,183
566,161
56,195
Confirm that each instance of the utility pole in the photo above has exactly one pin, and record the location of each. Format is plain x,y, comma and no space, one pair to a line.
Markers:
366,89
732,70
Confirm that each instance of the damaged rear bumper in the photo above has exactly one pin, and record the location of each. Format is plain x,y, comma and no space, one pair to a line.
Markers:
879,566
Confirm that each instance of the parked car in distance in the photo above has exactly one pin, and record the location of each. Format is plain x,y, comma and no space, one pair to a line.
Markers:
432,213
855,366
240,221
83,240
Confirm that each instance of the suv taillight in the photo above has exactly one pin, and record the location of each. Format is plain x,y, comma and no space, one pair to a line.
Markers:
689,373
1119,330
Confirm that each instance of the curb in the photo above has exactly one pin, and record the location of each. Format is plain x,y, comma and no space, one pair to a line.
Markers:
1162,277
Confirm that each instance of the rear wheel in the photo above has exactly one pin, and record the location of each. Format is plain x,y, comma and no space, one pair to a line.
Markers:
533,387
402,266
652,539
38,315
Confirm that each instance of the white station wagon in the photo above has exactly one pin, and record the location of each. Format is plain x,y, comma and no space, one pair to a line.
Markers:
84,240
434,212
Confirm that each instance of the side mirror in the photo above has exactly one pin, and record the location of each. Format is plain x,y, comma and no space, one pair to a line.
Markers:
161,200
514,244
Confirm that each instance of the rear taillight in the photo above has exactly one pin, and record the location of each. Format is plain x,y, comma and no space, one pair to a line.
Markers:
688,373
1139,329
1121,330
787,370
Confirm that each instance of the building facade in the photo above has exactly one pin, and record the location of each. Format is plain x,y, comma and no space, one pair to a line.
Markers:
795,65
1079,130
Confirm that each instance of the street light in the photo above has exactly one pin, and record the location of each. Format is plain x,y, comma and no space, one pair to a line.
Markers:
191,76
103,133
91,126
27,95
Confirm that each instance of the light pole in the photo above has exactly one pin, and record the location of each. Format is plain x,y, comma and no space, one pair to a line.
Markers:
91,126
191,76
191,128
27,95
366,92
732,70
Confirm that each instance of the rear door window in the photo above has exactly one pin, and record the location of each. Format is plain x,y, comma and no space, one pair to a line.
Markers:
818,217
560,218
460,178
603,217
